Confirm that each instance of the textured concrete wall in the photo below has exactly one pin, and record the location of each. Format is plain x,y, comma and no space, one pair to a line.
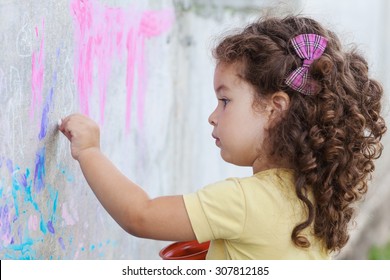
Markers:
143,70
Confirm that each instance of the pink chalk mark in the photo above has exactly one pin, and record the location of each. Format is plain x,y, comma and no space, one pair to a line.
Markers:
37,65
154,23
131,46
68,218
33,223
141,82
104,34
79,248
83,62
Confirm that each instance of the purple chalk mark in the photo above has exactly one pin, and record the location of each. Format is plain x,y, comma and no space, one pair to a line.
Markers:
40,172
45,115
62,244
48,105
5,224
10,166
50,227
23,179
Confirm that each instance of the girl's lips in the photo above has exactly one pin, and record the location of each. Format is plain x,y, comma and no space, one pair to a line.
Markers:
217,141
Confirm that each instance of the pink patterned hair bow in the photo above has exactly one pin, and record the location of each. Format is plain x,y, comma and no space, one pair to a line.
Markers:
309,47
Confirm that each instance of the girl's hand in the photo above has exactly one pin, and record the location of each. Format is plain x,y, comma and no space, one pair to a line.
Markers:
82,132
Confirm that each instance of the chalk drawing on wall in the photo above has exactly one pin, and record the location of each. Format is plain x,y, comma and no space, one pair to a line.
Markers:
24,38
26,217
37,216
37,66
103,34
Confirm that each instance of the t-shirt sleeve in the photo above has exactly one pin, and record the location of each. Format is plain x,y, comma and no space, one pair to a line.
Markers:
217,211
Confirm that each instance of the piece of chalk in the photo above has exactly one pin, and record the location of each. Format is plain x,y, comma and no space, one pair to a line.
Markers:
59,122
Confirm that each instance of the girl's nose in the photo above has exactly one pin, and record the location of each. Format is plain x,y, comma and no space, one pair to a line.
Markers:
213,119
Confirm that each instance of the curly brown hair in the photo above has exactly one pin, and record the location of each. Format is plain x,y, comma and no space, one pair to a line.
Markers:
331,138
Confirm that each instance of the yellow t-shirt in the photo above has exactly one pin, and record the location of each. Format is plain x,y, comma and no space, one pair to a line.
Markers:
251,218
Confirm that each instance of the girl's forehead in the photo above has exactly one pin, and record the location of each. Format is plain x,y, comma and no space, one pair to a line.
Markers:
225,77
228,72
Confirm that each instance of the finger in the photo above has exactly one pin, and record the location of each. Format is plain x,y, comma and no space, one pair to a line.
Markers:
63,122
63,127
67,134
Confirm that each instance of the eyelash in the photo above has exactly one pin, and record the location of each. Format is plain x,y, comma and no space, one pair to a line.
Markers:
225,101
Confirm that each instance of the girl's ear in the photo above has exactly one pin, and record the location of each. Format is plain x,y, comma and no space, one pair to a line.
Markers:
279,102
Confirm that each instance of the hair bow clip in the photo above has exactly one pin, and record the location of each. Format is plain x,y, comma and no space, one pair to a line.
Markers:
308,47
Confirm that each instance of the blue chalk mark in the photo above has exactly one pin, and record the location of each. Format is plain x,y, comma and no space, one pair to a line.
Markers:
27,190
42,226
15,190
64,171
24,248
54,197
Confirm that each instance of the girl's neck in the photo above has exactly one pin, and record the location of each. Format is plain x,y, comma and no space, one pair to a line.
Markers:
262,165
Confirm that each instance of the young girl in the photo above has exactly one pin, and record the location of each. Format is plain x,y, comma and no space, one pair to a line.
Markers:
299,109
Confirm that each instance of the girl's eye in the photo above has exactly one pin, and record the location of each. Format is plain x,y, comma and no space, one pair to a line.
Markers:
225,101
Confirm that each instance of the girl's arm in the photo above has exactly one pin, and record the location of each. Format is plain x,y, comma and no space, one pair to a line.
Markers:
163,218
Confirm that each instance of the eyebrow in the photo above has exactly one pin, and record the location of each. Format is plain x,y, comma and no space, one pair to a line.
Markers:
220,87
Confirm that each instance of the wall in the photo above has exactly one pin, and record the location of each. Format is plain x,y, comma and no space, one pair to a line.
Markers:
143,70
60,57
